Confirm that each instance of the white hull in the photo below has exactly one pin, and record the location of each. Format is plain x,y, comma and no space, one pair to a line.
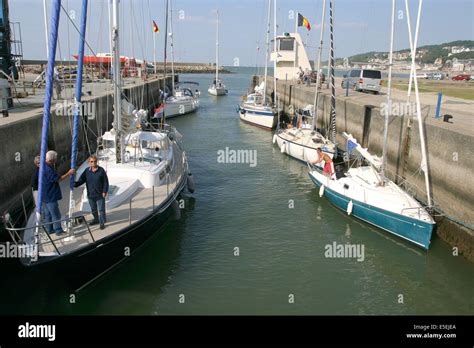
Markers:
217,91
299,144
387,207
263,121
180,106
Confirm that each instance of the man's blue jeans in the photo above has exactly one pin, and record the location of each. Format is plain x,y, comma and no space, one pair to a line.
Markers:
98,204
51,213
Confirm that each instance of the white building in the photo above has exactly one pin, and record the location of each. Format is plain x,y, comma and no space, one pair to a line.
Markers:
290,57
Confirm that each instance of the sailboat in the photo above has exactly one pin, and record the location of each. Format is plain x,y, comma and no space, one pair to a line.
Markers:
302,142
147,171
365,192
182,99
217,88
255,109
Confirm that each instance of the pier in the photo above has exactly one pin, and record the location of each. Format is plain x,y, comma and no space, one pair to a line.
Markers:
450,146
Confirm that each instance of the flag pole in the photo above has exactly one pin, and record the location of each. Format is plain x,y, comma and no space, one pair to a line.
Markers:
154,51
296,30
296,21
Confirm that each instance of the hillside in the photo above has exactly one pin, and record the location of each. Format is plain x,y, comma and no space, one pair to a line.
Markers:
425,54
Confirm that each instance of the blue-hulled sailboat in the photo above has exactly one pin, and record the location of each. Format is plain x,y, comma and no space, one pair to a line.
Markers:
366,193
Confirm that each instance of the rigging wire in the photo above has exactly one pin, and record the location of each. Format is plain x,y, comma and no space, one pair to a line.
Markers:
86,42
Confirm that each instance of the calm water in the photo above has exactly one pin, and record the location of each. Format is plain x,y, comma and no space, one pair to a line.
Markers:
281,249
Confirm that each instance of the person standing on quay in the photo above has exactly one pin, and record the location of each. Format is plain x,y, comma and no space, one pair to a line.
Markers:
97,184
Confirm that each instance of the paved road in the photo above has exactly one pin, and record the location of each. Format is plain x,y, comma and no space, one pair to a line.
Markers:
462,110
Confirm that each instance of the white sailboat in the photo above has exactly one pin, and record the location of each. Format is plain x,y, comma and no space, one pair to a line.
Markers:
365,192
182,99
147,170
300,141
255,109
217,88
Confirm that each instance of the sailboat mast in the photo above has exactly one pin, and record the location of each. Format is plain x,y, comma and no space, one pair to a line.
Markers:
411,43
164,61
318,78
267,45
275,50
424,160
77,101
172,47
331,66
217,46
166,46
45,18
389,94
117,83
53,39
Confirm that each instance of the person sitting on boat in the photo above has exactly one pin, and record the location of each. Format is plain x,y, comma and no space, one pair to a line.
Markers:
97,184
327,161
52,194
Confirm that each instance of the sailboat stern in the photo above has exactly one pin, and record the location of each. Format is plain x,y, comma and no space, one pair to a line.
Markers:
415,230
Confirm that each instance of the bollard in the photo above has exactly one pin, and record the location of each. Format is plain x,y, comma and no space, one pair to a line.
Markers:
438,105
347,87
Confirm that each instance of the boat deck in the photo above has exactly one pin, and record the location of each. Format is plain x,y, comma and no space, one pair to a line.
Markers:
138,207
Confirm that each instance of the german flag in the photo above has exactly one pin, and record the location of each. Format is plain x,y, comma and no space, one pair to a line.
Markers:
155,28
303,21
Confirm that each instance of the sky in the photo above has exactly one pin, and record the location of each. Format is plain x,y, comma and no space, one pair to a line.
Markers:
360,26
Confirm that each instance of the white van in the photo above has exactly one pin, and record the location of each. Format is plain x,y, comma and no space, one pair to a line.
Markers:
363,80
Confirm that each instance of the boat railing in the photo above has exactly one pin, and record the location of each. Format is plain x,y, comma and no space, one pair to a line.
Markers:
413,190
75,223
418,209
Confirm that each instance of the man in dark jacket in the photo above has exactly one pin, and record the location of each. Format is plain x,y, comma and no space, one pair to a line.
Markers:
52,194
97,184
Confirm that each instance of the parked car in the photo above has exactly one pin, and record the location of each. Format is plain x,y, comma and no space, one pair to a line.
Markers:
422,75
436,76
461,77
363,80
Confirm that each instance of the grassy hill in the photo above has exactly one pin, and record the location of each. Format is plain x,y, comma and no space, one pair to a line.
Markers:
433,52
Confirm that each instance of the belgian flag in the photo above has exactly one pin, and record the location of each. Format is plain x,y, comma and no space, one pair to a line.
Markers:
155,28
303,21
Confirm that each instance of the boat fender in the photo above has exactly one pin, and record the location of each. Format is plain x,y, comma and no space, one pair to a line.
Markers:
321,191
190,183
176,210
274,138
349,208
283,147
